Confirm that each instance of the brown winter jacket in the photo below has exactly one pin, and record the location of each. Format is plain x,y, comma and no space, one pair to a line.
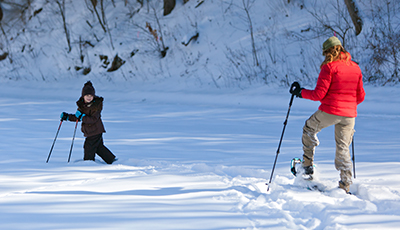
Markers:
91,122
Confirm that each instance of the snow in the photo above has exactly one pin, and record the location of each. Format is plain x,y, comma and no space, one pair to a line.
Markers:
190,159
195,139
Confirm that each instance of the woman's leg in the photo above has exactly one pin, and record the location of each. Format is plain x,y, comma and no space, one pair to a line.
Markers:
312,127
343,136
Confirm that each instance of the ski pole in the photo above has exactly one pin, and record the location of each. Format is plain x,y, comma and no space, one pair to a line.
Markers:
73,138
52,146
280,142
354,157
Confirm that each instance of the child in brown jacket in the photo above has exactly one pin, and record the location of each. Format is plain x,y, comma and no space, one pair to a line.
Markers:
89,112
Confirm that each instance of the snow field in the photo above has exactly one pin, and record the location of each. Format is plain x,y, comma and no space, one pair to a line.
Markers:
189,160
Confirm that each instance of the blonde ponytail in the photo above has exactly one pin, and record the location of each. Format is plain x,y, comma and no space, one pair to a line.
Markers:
335,53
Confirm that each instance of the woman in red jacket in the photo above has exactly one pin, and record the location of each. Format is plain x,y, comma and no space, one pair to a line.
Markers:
339,89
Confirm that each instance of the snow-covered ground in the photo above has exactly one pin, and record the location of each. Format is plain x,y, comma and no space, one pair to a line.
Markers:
222,56
190,159
195,136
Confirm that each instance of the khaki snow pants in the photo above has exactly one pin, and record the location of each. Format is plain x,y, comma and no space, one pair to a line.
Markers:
344,130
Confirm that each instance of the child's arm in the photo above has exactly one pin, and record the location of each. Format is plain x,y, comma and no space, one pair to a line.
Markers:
72,117
93,117
68,117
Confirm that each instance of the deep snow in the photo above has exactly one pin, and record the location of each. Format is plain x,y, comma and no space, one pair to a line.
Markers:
190,159
195,144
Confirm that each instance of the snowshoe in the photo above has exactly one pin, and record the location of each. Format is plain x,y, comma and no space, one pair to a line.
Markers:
304,176
296,167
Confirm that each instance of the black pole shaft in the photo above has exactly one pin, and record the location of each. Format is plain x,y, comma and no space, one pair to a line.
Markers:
73,138
354,157
280,142
52,146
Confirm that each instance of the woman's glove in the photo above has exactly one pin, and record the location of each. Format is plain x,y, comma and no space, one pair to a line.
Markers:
295,89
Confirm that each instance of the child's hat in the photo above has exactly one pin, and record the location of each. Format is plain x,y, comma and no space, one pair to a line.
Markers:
88,89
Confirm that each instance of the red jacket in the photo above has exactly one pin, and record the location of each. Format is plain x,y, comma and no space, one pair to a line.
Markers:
339,88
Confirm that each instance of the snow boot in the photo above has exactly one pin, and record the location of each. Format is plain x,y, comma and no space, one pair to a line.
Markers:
308,170
344,186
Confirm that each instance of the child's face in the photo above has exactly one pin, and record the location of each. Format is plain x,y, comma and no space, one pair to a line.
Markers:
88,98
